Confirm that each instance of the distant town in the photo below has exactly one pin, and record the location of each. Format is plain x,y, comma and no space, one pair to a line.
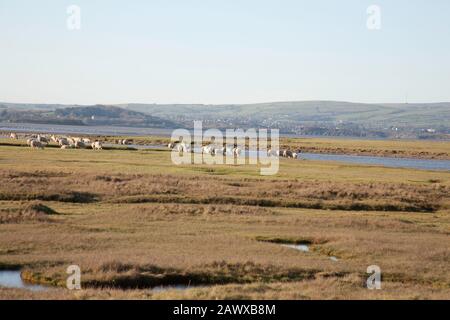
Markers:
308,118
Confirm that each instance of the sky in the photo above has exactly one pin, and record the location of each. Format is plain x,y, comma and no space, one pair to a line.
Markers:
228,51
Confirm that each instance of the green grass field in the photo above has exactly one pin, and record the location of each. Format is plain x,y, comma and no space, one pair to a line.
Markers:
132,220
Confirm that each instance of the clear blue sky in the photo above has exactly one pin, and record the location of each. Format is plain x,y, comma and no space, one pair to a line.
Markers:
227,51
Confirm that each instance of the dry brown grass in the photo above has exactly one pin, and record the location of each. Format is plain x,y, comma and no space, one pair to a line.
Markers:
170,188
133,220
31,212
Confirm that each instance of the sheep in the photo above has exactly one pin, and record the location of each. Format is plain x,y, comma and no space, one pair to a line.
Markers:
223,150
182,147
125,141
54,139
79,145
13,135
236,151
63,142
36,144
29,141
207,149
97,145
42,139
86,140
288,154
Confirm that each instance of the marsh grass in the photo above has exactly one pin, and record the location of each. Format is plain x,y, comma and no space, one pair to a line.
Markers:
131,219
31,212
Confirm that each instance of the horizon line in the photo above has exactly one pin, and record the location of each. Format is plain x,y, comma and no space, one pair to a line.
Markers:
219,104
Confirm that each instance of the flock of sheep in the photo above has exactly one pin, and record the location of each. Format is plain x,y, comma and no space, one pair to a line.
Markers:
209,149
38,141
283,153
235,151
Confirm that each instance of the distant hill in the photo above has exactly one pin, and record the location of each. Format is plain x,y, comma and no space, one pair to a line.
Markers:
322,118
86,115
418,114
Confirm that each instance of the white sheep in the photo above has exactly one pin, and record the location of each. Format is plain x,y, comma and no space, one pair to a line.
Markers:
97,145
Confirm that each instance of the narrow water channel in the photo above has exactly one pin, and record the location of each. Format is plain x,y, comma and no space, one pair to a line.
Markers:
12,279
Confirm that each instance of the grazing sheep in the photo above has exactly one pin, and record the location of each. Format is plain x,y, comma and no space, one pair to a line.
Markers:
211,149
13,135
42,139
63,142
97,145
123,141
182,147
206,149
223,150
54,139
36,144
86,141
288,154
79,145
